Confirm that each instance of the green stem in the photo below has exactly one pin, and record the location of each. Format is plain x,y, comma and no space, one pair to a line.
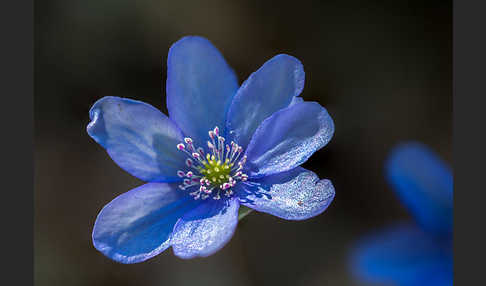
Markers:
244,211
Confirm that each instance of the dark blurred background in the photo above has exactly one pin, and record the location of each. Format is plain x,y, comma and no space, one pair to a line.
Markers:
383,71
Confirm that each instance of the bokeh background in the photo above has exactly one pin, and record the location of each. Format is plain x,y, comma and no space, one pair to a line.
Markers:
383,71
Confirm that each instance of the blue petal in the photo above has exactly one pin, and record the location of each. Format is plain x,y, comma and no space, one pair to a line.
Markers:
424,184
297,194
138,137
206,229
288,138
138,224
403,255
269,89
200,86
296,100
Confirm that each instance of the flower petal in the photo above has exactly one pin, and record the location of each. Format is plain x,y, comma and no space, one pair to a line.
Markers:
296,100
205,229
138,224
138,137
200,86
402,255
424,183
297,194
288,138
269,89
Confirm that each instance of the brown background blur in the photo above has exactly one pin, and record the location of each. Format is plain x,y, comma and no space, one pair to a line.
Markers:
383,71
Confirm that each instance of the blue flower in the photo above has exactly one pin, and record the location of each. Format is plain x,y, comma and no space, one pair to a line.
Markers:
222,146
406,253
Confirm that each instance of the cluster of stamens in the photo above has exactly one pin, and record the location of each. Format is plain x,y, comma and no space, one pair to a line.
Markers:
216,171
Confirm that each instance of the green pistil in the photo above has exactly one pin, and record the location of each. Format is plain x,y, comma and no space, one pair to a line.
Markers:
215,171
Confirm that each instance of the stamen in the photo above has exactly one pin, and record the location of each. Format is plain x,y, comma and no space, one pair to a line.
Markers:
218,170
188,162
200,151
210,145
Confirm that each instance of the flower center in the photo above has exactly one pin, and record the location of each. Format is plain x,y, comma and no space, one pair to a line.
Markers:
214,172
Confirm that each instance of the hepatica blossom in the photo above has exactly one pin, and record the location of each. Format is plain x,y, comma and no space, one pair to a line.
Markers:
221,147
406,253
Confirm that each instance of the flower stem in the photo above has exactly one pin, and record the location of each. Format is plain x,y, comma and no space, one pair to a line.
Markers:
244,211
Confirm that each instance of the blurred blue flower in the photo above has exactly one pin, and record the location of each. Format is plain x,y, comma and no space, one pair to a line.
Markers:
406,253
222,146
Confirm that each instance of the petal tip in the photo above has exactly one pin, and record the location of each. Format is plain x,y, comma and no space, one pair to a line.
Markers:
328,198
191,38
188,41
93,116
138,225
331,191
195,236
95,127
298,70
198,73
